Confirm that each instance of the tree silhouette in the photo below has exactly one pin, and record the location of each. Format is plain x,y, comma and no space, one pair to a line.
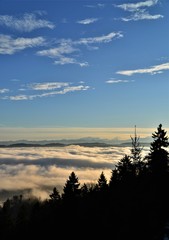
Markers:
84,190
54,196
102,182
114,179
136,154
125,169
158,157
71,188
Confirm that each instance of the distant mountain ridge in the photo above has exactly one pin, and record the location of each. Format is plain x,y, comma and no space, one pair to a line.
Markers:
88,142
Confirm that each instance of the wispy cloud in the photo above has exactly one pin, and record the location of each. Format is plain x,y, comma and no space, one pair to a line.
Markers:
87,21
14,80
9,45
74,88
152,70
17,98
139,11
67,47
132,7
98,5
60,53
64,48
47,88
27,23
101,39
142,15
101,5
68,60
4,90
48,85
112,81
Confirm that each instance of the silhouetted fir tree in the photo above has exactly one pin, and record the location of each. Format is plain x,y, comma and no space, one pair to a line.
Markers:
158,158
125,169
136,157
71,188
114,179
54,196
157,181
102,182
84,190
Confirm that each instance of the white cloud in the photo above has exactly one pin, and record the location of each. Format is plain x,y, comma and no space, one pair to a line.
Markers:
74,88
101,39
65,60
152,70
64,48
139,11
131,7
63,89
118,81
87,21
9,45
26,23
99,5
18,97
68,60
142,15
61,53
67,47
48,85
4,90
83,64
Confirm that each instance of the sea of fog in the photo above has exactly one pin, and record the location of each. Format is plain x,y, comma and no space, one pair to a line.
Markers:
35,171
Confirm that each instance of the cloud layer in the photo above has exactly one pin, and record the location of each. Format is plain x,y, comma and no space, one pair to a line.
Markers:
38,170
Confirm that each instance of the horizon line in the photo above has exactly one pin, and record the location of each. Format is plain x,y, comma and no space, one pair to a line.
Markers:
58,133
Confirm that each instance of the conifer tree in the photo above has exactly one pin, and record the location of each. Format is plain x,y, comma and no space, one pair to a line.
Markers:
136,154
71,188
54,196
102,182
158,157
114,178
84,190
124,168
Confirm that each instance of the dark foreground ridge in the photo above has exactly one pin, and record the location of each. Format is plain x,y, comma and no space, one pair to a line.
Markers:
132,205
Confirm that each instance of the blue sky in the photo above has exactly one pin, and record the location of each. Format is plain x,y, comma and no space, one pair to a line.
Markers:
83,64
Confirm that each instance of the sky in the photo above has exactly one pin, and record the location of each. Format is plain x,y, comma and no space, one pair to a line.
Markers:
67,67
